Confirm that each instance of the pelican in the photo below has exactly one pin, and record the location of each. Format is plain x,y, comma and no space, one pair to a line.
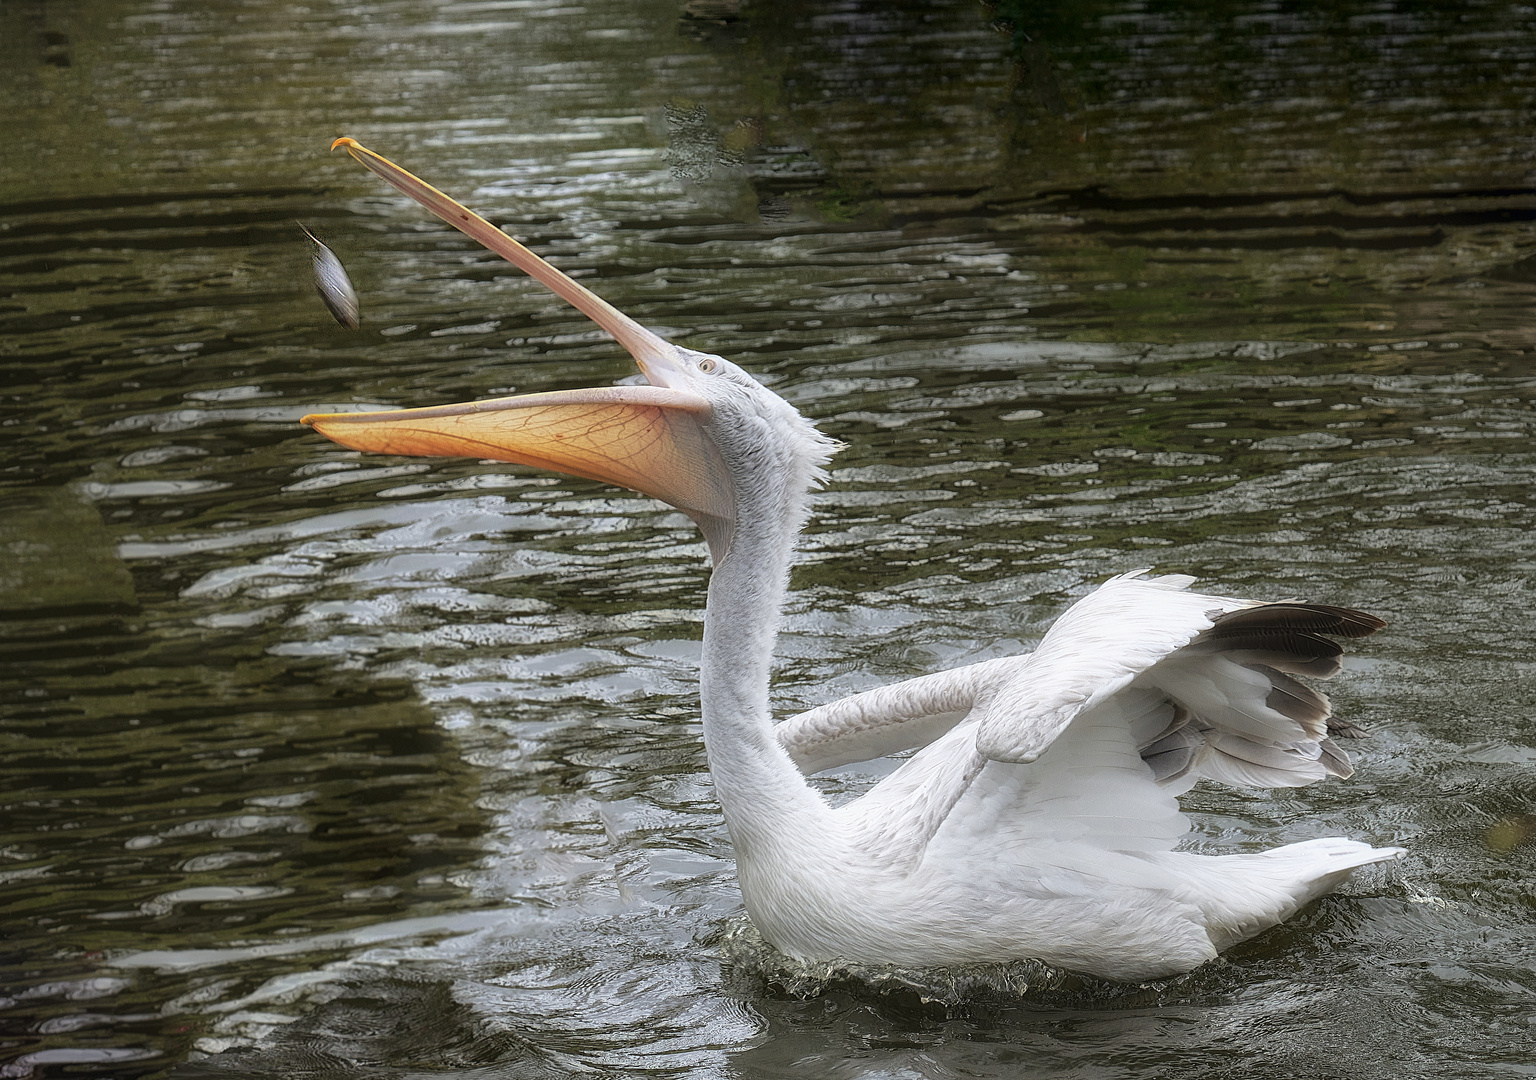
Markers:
1038,815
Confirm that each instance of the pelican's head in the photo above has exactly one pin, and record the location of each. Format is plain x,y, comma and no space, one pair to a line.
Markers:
703,436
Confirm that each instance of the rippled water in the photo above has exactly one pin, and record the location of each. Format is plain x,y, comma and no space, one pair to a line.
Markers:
312,764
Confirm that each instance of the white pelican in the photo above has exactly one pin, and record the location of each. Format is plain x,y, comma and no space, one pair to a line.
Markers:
1039,816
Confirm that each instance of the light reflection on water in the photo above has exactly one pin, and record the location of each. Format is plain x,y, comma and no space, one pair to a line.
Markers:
338,763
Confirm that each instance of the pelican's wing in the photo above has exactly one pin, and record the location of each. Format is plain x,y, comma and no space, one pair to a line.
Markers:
1138,690
1094,651
916,712
1206,683
1240,715
887,719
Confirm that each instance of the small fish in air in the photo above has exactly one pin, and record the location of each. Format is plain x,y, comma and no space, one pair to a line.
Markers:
333,285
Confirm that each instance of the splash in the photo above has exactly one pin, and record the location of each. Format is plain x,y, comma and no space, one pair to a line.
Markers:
752,966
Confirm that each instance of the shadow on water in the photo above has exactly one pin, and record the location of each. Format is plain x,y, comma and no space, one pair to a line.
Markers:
319,765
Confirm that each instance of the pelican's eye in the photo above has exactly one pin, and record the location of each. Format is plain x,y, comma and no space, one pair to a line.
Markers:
707,365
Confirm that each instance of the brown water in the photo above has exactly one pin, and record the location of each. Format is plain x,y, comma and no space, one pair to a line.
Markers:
313,764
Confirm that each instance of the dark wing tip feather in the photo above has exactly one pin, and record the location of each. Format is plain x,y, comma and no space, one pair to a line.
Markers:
1277,639
1305,618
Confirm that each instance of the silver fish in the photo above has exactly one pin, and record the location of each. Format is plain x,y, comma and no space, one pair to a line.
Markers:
333,285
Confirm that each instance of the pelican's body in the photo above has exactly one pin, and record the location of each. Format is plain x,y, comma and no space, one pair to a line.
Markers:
1041,819
1038,817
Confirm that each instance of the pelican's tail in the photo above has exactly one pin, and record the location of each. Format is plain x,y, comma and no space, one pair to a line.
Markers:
1243,895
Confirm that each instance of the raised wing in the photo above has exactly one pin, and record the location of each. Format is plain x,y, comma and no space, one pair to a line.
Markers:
1092,652
1128,623
1206,684
1136,692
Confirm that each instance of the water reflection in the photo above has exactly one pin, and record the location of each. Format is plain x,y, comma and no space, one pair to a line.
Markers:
328,763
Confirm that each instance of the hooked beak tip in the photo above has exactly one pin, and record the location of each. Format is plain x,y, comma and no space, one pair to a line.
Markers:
344,141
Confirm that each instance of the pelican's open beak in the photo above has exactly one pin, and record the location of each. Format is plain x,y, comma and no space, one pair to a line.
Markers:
651,439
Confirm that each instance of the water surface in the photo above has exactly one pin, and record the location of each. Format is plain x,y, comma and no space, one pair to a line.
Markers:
315,764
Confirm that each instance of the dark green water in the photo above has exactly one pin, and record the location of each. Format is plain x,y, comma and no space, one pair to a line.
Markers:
315,765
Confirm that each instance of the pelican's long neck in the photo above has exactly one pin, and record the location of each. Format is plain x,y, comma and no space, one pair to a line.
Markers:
766,800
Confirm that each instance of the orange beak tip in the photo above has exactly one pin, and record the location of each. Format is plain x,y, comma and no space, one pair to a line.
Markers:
344,141
320,421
